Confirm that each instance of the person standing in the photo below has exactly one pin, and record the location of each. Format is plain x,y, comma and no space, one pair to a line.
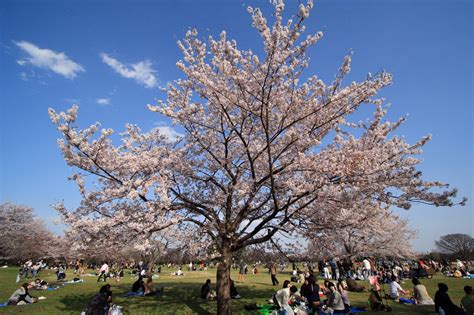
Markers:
242,272
103,272
367,269
273,273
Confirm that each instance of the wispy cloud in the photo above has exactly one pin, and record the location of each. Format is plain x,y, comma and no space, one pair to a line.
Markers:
103,101
48,59
170,133
24,76
140,71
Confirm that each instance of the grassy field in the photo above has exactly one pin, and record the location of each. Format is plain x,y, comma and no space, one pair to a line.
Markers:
181,294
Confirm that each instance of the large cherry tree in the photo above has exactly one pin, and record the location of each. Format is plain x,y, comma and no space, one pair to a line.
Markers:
263,142
23,235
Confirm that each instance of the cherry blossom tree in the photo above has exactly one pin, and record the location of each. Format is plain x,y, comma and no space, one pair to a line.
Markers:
263,143
23,236
119,243
384,235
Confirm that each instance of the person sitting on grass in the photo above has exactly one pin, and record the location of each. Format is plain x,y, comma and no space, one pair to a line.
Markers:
342,289
206,291
325,287
100,303
467,301
396,289
150,288
375,301
457,273
22,296
420,294
443,301
138,286
353,286
178,273
233,290
335,302
310,291
282,298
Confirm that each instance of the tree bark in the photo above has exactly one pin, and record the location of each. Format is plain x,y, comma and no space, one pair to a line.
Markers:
223,282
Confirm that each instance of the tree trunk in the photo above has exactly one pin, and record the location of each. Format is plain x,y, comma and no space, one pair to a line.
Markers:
223,283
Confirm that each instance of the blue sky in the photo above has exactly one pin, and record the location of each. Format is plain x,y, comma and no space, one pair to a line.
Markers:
110,57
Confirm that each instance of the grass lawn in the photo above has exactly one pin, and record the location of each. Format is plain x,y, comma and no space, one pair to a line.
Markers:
181,294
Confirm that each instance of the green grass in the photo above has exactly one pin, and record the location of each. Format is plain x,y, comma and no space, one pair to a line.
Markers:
182,294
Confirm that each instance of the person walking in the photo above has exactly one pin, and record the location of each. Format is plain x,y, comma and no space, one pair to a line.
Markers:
273,273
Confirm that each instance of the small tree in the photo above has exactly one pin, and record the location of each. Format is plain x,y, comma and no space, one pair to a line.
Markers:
458,245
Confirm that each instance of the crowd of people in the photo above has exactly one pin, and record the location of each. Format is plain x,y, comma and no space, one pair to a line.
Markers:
301,291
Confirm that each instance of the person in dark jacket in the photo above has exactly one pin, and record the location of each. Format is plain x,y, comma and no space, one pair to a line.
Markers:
234,294
139,285
99,304
206,291
442,300
311,292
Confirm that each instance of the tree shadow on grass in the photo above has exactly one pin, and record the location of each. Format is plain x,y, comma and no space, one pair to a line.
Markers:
178,298
74,303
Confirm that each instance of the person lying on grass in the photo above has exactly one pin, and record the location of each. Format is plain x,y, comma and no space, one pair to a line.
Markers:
22,296
39,284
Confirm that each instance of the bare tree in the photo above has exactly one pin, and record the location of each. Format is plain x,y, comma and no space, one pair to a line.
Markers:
459,245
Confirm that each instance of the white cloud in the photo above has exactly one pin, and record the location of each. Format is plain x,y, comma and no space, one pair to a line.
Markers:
140,71
103,101
170,133
24,76
49,59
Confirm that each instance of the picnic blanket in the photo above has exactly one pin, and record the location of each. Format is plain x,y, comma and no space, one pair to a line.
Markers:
357,310
72,281
134,294
407,301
